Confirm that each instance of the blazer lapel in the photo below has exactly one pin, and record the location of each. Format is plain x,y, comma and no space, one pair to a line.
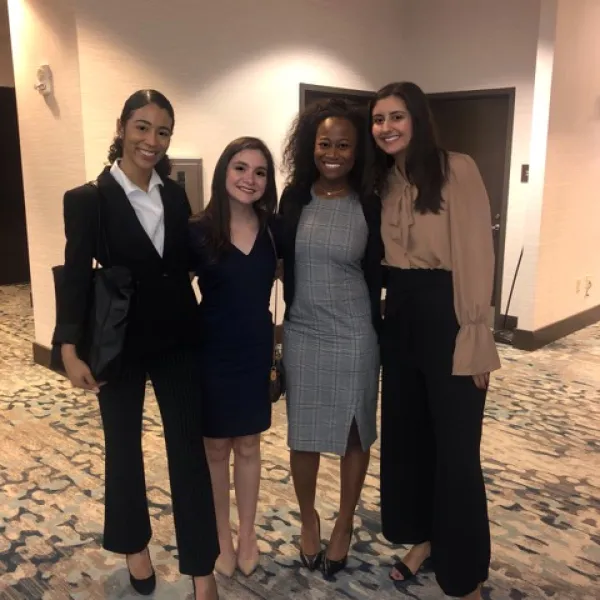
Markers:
371,206
170,218
124,218
296,206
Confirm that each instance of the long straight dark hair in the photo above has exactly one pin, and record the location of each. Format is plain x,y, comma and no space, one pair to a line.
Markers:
138,100
426,162
216,217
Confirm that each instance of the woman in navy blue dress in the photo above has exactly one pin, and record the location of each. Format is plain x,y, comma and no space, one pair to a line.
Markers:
235,262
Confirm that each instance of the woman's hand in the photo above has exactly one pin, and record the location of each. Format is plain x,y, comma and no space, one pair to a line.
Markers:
482,381
78,372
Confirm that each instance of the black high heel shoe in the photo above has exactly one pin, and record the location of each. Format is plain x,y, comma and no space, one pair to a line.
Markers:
312,561
146,586
331,567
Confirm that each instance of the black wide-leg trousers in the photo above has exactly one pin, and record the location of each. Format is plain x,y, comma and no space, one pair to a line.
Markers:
432,486
127,527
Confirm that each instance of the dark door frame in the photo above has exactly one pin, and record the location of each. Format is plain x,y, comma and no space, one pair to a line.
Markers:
306,88
509,93
22,272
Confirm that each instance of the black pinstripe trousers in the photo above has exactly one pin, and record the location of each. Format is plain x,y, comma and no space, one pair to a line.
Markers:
127,527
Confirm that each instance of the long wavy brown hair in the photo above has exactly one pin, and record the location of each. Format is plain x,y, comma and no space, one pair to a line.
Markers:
216,217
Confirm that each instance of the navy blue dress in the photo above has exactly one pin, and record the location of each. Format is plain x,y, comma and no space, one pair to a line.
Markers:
236,335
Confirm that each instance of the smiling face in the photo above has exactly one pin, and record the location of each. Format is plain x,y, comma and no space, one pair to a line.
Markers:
146,137
246,178
391,125
335,149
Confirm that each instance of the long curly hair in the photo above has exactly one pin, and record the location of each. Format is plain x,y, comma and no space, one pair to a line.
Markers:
216,217
426,162
298,155
138,100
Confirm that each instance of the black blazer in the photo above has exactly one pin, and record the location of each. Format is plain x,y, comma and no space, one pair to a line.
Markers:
163,309
291,204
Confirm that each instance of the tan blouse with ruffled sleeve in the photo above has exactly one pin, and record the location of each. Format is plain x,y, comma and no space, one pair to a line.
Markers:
458,239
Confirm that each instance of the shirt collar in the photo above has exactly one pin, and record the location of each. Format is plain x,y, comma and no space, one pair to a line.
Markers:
128,186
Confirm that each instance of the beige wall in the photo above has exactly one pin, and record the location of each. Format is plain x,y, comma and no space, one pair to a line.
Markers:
569,241
230,68
539,140
51,136
246,82
6,68
458,45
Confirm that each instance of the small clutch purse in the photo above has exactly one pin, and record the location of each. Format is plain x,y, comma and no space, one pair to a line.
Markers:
277,376
277,373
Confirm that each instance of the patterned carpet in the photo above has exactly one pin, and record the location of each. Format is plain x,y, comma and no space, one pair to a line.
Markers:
542,464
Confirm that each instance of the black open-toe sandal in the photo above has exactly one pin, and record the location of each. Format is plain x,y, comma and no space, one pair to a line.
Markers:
405,571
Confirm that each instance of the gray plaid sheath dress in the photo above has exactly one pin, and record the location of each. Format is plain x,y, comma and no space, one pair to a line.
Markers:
331,354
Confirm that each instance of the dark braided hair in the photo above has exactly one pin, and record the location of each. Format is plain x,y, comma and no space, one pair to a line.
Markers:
138,100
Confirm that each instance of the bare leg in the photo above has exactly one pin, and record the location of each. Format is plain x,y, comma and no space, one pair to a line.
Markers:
205,588
305,468
140,564
218,452
353,469
246,473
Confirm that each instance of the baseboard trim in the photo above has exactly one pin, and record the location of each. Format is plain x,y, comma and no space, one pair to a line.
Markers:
534,340
42,355
506,322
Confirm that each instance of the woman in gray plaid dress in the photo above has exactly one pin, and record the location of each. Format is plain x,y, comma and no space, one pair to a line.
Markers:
332,285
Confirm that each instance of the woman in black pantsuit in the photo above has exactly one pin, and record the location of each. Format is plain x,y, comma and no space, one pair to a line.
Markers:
145,218
437,347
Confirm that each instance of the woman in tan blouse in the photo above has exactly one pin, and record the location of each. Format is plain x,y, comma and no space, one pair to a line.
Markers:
437,347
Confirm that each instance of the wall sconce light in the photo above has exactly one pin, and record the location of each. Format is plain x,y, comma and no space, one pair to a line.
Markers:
44,80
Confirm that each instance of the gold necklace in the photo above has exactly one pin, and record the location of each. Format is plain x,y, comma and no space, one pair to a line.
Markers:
329,194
